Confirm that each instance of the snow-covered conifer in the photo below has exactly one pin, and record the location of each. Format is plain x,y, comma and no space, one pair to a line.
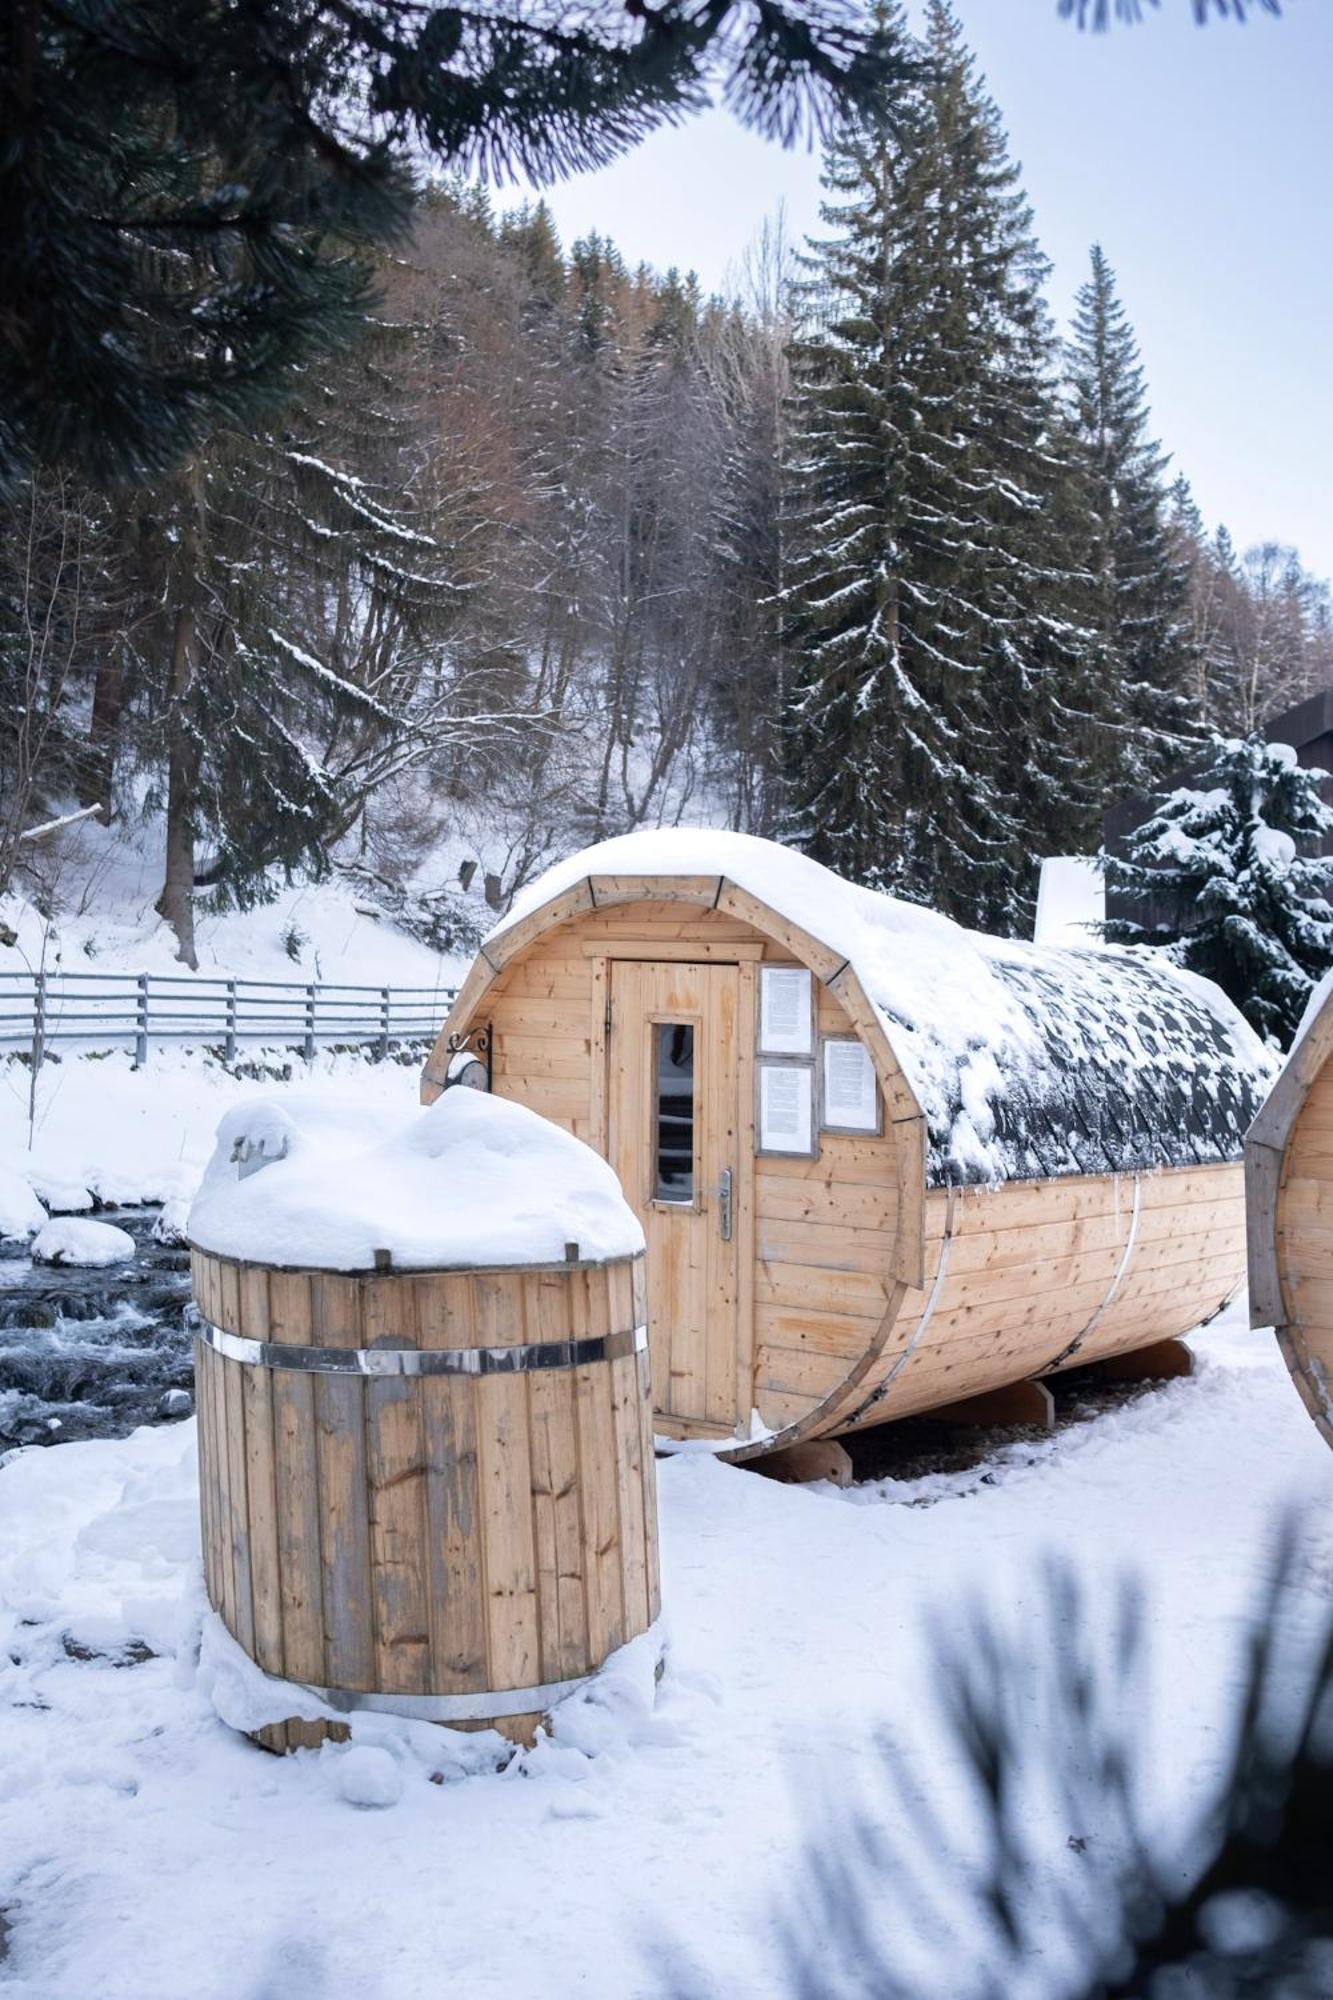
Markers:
1136,602
1227,878
927,591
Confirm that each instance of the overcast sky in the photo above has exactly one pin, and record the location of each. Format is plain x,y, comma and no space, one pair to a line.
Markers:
1200,158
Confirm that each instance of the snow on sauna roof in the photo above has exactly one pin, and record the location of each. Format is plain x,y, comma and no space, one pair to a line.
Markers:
308,1182
1026,1060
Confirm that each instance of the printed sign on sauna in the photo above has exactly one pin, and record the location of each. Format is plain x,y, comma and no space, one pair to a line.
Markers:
786,1108
786,1087
848,1095
786,1011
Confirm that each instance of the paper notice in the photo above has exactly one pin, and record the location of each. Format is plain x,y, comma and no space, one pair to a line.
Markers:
786,1123
850,1101
786,1011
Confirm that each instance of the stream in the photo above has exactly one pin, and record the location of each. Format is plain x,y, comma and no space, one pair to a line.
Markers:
94,1353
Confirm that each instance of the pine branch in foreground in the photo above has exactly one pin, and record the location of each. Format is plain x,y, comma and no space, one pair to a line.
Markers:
190,192
1098,14
1039,1876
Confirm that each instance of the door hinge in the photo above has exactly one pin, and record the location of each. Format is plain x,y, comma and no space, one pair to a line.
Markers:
607,1023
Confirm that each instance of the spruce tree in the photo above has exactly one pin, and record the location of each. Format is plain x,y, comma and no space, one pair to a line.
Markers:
1137,585
928,587
1228,878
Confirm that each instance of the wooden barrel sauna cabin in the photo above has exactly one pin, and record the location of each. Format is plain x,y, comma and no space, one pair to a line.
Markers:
425,1436
883,1164
1289,1211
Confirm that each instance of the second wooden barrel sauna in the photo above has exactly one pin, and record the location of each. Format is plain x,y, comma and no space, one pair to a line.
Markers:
1289,1207
883,1164
426,1466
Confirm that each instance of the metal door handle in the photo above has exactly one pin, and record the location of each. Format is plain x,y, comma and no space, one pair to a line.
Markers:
724,1204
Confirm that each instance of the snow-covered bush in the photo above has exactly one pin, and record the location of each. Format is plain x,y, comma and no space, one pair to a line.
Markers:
1227,881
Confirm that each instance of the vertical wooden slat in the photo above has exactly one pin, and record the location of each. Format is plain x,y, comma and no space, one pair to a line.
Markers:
597,1055
627,1424
396,1475
555,1488
648,1462
228,1281
647,1443
261,1480
505,1464
455,1585
627,1419
297,1485
226,1598
349,1624
595,1426
238,1503
455,1566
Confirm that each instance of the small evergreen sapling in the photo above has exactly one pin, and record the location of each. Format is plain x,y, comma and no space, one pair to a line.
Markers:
1230,885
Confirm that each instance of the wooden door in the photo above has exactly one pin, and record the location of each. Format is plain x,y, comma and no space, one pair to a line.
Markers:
674,1126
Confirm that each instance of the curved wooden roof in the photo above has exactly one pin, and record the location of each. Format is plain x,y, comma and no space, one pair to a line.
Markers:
1023,1061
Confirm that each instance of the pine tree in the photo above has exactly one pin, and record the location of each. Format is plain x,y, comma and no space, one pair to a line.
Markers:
928,586
1228,879
529,231
189,192
1137,586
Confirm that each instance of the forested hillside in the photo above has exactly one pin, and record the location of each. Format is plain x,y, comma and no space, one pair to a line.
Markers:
870,553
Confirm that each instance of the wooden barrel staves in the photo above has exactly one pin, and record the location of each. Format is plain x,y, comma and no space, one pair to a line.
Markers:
429,1492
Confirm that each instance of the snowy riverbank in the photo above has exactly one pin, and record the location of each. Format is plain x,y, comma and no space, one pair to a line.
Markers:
131,1135
147,1852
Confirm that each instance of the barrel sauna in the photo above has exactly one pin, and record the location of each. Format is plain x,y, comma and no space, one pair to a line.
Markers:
884,1165
426,1490
1289,1210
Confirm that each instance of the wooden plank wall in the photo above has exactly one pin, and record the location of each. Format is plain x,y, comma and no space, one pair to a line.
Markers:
1030,1268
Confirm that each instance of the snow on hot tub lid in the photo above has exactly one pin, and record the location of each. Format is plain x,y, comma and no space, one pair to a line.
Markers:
1027,1060
306,1182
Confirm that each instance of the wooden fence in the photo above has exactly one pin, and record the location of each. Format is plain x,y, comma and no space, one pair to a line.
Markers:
103,1010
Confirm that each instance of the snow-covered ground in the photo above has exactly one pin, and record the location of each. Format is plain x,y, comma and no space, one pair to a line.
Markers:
147,1851
103,893
100,1127
131,1135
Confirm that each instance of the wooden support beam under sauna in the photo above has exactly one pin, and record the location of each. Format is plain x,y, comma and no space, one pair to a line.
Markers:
883,1164
1017,1404
1289,1207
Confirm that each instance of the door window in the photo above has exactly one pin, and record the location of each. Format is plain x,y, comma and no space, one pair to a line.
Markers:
673,1098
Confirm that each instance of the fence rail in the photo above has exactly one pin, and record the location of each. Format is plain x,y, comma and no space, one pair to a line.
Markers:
101,1010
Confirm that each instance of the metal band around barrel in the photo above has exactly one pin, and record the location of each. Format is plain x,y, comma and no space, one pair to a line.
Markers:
483,1706
521,1359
